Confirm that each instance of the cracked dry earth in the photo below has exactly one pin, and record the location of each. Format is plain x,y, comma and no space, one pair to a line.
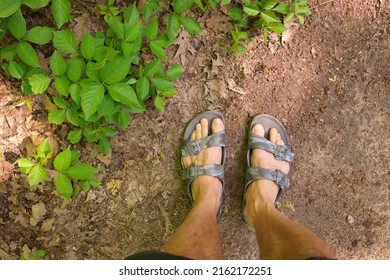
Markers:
328,82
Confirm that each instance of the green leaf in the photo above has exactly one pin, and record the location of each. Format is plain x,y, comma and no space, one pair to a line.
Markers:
62,160
132,32
65,41
63,104
76,67
131,14
104,146
251,10
169,93
265,34
36,4
142,87
127,48
124,94
236,13
57,64
8,7
37,175
289,17
173,26
17,25
27,54
153,67
64,186
269,4
92,73
124,119
302,10
57,116
180,6
15,70
39,83
87,46
107,107
175,71
25,165
282,8
75,92
199,4
162,83
81,171
91,97
277,27
75,156
73,117
159,103
301,19
158,50
152,30
61,85
269,17
116,70
8,52
40,35
61,11
191,25
115,24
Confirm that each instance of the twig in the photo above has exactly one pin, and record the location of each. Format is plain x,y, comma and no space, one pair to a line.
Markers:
323,3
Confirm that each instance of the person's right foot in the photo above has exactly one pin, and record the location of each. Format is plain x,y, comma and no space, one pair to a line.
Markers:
263,192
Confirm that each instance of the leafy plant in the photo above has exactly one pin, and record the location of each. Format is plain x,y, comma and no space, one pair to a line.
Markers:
268,15
37,255
71,175
109,10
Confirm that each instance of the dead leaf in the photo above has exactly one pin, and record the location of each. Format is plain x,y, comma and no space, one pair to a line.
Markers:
49,106
81,27
106,159
114,185
289,33
47,224
234,87
38,213
216,89
183,41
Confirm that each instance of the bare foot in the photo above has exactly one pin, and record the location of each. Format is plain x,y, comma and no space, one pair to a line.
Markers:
262,192
206,189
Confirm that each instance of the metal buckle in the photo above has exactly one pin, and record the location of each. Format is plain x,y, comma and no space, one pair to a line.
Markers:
281,179
281,151
195,147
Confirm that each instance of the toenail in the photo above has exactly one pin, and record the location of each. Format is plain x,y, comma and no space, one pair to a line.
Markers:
217,122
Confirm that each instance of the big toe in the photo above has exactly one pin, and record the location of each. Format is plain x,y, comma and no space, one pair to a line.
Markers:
258,129
217,125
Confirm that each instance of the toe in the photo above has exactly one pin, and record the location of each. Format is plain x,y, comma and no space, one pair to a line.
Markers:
217,125
205,127
279,140
273,133
193,138
198,131
258,129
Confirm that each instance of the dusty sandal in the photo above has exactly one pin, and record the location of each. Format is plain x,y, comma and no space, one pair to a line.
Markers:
194,147
280,152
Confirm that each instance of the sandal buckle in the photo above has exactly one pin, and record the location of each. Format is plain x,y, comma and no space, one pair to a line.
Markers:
195,147
281,179
281,152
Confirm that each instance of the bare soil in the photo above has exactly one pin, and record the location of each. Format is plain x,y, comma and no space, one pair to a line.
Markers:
328,82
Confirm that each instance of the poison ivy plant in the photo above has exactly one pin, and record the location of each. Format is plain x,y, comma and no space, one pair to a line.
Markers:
72,175
37,255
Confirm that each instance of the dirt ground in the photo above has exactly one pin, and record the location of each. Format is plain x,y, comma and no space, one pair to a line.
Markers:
328,82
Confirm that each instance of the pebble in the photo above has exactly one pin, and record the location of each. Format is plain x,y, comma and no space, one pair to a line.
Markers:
350,219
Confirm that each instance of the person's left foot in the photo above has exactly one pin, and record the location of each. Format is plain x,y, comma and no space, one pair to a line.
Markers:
206,189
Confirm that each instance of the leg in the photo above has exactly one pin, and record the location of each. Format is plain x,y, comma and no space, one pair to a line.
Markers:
278,237
198,236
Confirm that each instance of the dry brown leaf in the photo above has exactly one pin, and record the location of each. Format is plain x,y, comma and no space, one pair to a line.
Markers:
38,213
114,185
183,41
81,27
47,224
49,106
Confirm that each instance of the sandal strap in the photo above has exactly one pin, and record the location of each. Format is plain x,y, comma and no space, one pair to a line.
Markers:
280,152
193,147
193,171
277,176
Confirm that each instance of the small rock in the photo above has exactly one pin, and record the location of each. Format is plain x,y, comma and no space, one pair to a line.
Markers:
350,219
